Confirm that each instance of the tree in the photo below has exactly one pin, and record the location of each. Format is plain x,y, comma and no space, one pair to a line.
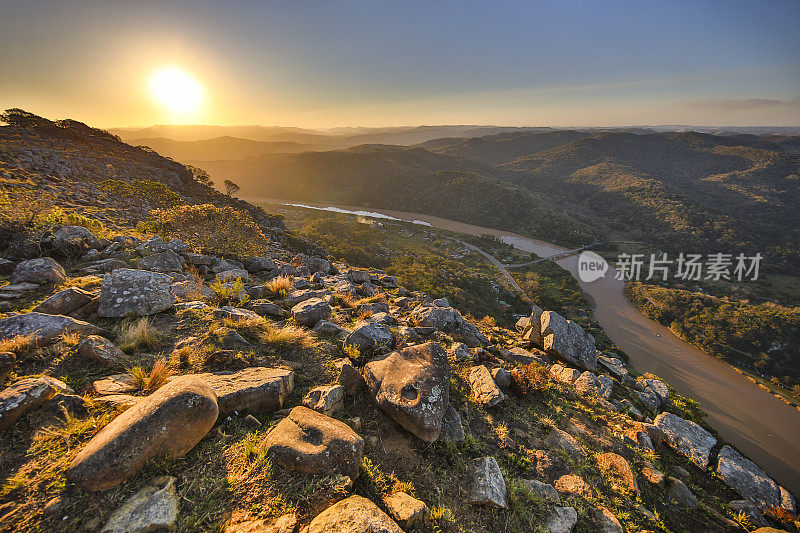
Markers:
231,187
202,176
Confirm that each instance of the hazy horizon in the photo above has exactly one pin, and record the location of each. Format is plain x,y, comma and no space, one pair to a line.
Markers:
322,65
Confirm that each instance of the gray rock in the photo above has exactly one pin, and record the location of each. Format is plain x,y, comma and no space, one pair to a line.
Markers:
606,386
412,386
325,327
236,313
452,429
587,384
153,508
25,395
502,377
358,276
156,245
678,491
561,440
544,491
168,423
751,510
167,261
614,365
100,349
65,302
566,339
370,339
325,399
561,520
40,270
297,296
256,389
311,311
177,245
746,478
314,264
74,240
485,483
460,352
190,290
658,387
233,274
483,387
135,292
355,514
265,307
191,305
347,376
42,328
259,264
686,437
521,356
448,320
310,442
605,521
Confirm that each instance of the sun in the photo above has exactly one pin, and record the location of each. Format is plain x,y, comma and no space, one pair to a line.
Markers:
176,90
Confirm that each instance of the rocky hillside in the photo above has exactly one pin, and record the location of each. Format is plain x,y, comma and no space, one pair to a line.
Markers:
170,361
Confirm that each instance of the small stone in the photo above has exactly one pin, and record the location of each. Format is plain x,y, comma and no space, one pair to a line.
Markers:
502,377
409,512
484,389
486,485
236,313
25,395
544,491
325,399
561,440
100,349
678,491
152,508
251,422
347,375
561,520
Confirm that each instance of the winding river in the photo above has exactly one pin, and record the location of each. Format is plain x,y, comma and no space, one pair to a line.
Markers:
764,428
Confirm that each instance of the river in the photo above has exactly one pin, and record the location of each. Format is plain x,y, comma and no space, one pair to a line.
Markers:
763,427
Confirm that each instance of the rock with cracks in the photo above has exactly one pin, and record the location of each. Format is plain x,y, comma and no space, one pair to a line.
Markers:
566,339
153,508
311,311
135,292
484,388
309,442
42,328
412,386
686,438
255,389
26,395
486,485
168,423
746,478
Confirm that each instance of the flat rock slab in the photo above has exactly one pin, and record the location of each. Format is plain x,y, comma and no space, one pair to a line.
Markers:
310,442
746,478
412,386
686,438
65,302
236,313
484,388
153,508
370,339
486,485
100,349
116,384
135,292
355,514
40,270
168,423
44,329
26,395
283,524
256,389
309,312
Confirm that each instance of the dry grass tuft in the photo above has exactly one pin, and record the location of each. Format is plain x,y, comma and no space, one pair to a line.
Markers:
19,345
70,339
343,299
133,335
287,338
158,376
279,286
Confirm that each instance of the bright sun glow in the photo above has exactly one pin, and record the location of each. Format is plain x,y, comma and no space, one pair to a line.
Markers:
176,90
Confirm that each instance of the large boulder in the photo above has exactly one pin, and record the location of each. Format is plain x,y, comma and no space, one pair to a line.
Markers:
686,438
26,395
449,320
746,478
153,508
65,302
100,349
74,241
617,470
566,339
485,483
40,270
256,389
167,261
412,386
410,513
355,514
310,442
561,440
135,292
561,520
311,311
314,264
370,339
484,389
42,328
168,423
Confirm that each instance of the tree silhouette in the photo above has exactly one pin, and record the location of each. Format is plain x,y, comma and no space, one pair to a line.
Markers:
231,187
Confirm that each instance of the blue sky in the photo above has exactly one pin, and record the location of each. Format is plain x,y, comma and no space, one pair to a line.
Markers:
322,64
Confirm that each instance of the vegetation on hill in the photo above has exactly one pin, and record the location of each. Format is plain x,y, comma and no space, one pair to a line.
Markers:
761,338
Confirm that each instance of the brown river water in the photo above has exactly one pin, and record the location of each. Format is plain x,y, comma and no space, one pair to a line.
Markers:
763,427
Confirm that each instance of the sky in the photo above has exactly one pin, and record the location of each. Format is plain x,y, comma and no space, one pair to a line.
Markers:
379,63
